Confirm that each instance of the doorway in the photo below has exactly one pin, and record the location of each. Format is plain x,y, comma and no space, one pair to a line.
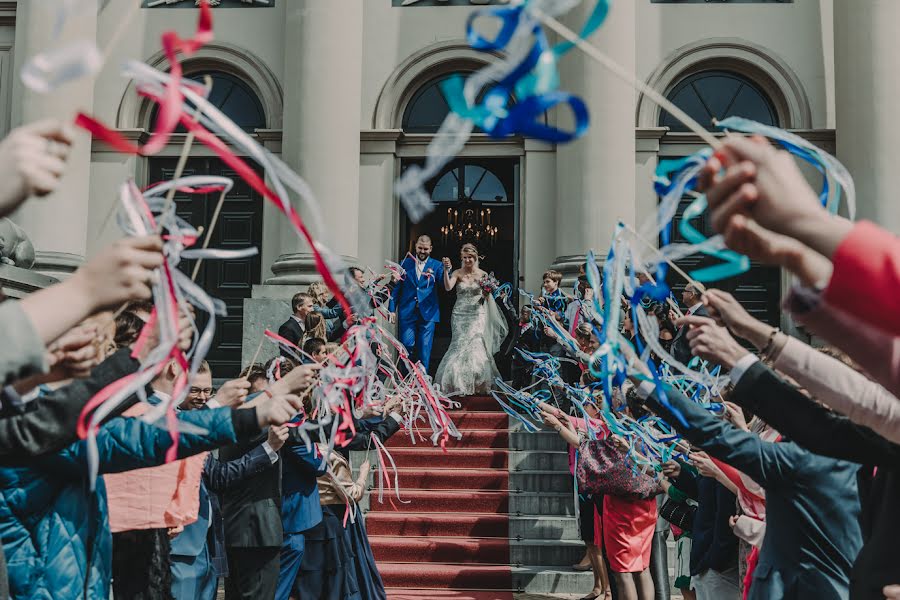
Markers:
239,226
477,201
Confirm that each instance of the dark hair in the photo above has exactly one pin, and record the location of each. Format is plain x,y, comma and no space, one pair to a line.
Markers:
313,345
138,306
354,270
253,372
128,329
287,364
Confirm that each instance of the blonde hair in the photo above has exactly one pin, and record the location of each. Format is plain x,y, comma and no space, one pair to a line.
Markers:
470,249
317,289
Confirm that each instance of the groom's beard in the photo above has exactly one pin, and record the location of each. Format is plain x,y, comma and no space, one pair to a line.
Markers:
422,257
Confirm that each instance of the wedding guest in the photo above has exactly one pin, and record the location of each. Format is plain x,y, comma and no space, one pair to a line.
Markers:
315,327
294,328
529,340
198,557
590,506
252,507
803,491
555,301
314,348
49,496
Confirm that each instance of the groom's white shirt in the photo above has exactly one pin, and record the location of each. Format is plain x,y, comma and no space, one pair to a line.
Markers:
420,267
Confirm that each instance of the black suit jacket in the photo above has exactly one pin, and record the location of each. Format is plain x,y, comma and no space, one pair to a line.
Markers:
291,331
829,434
48,423
252,507
220,476
681,347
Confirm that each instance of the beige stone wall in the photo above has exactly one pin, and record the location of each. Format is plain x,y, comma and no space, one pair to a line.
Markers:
792,44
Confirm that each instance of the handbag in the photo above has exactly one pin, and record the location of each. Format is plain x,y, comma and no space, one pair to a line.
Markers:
679,514
604,468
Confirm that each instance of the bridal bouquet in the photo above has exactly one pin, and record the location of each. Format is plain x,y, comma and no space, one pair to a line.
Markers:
489,284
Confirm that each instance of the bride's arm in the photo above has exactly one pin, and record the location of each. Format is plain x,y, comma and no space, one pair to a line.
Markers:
449,280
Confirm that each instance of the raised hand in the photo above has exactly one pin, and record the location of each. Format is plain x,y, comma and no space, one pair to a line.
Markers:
671,469
734,414
32,161
122,272
448,266
297,380
748,237
233,393
712,342
727,311
277,410
74,354
277,436
758,181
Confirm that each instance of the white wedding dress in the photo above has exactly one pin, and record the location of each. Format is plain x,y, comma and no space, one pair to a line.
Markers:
478,329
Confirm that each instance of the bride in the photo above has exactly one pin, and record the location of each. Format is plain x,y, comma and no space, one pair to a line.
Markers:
477,327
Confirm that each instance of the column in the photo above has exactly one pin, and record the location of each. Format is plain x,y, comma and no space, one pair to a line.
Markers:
867,88
323,87
596,174
58,223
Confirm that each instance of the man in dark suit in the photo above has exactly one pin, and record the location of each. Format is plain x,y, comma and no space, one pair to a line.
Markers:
415,300
294,328
693,301
252,509
198,552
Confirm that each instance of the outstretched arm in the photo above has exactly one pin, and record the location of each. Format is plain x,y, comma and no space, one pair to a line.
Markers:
450,276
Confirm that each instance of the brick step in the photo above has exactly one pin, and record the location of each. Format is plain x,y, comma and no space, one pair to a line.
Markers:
439,594
471,438
451,479
451,501
466,501
437,524
460,550
419,575
457,458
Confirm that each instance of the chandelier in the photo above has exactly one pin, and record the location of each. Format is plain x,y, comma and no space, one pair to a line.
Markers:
468,222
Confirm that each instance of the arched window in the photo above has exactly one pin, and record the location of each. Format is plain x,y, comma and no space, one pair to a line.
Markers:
233,97
712,95
469,181
428,108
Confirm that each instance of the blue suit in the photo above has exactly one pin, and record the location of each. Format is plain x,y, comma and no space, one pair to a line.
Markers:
416,301
300,509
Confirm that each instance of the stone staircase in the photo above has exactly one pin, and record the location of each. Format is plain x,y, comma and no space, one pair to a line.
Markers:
492,516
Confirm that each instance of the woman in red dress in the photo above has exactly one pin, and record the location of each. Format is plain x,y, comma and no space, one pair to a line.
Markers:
628,524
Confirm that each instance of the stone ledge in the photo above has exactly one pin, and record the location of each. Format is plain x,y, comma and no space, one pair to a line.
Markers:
18,283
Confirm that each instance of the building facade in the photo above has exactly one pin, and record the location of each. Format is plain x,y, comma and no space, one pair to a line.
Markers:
346,92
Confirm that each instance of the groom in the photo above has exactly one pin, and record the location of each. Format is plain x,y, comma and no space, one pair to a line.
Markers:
415,301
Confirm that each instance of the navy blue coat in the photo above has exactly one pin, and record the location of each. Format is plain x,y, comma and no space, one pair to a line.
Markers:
415,296
55,532
300,508
713,543
830,434
812,505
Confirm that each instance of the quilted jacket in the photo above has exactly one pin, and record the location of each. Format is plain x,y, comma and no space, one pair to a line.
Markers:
55,532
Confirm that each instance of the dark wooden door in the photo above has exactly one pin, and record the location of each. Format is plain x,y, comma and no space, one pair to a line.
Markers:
239,226
758,290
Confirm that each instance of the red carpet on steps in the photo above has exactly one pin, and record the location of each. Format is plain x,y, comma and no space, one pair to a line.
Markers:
451,541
